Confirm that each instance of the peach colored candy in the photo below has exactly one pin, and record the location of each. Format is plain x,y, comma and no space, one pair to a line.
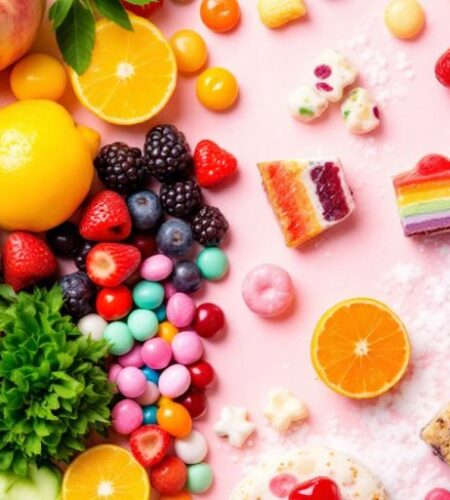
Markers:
268,290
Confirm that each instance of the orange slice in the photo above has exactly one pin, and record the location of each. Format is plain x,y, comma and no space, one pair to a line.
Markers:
360,348
132,74
105,472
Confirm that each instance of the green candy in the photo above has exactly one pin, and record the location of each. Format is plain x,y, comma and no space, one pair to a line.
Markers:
143,324
120,338
148,295
200,478
213,263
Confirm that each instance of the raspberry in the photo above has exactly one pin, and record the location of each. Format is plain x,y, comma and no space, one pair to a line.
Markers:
442,69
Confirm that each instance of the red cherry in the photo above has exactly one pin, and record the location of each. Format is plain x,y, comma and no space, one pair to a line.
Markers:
202,374
145,243
114,303
144,10
209,320
433,164
319,488
195,403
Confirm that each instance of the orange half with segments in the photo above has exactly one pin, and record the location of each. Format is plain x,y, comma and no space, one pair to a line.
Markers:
360,348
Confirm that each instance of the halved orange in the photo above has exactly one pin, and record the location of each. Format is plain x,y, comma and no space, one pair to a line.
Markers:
132,74
360,348
105,472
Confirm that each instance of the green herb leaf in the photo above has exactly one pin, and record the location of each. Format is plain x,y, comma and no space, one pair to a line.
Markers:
142,2
113,10
76,37
58,11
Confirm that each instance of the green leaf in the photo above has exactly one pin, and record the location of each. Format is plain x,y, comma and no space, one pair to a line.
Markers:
142,2
76,37
58,11
113,10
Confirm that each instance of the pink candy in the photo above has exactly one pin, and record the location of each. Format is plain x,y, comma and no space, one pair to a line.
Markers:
156,268
127,416
180,310
156,353
113,372
169,290
174,381
150,395
438,494
132,358
187,347
268,290
131,382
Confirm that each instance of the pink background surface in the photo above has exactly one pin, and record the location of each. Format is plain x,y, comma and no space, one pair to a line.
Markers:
257,354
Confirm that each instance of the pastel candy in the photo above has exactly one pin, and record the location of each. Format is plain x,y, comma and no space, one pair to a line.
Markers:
308,196
360,112
150,395
333,72
306,104
191,449
180,310
156,268
127,416
174,381
276,13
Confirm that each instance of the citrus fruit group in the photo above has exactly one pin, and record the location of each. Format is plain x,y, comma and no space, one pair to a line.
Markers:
45,166
132,74
360,348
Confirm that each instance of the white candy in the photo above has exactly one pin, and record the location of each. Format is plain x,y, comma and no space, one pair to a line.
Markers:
360,112
235,425
93,325
332,73
283,409
191,449
307,104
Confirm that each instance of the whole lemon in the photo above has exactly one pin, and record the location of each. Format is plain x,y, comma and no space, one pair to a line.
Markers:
46,166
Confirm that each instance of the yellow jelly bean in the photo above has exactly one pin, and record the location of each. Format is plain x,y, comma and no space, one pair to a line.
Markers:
404,18
163,401
167,331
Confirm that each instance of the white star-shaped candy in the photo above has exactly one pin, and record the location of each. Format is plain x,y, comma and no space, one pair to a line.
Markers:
283,409
235,425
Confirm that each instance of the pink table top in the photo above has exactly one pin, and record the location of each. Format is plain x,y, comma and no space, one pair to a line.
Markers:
366,256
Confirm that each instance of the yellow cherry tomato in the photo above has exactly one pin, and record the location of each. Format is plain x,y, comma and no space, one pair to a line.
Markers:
217,89
404,18
189,49
220,15
174,419
38,76
92,137
167,331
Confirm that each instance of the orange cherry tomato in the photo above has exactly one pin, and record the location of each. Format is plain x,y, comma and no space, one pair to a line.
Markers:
217,89
189,49
220,15
174,419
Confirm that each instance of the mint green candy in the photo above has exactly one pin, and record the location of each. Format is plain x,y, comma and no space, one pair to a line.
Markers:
148,295
143,324
120,338
213,263
200,478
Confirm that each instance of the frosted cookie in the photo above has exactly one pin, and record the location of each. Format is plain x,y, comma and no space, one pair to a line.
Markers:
437,434
235,425
306,104
283,409
360,112
332,73
278,476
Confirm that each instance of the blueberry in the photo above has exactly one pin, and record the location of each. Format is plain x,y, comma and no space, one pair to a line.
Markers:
64,240
80,258
174,238
186,277
79,294
145,209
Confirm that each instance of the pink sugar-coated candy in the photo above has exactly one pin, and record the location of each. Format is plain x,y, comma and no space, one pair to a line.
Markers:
131,382
132,358
169,290
174,381
127,416
150,396
180,310
113,372
187,347
268,290
156,353
156,268
438,494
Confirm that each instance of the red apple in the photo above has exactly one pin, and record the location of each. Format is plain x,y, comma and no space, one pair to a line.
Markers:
19,23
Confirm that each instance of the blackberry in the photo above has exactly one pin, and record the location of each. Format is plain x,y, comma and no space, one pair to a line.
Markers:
79,294
122,168
167,154
80,259
181,198
209,226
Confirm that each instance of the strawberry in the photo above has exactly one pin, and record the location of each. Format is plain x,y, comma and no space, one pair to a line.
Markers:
169,476
106,218
27,260
144,10
442,69
149,444
212,163
433,164
110,264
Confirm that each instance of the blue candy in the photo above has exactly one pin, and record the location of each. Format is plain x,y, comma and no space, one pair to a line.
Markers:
151,375
161,313
150,414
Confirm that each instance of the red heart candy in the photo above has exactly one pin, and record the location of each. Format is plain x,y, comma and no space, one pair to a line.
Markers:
433,164
319,488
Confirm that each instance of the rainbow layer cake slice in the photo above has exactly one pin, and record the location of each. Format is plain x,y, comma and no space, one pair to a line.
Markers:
308,196
423,196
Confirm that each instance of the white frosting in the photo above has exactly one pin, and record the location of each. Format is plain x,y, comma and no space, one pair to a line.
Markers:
306,104
358,112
